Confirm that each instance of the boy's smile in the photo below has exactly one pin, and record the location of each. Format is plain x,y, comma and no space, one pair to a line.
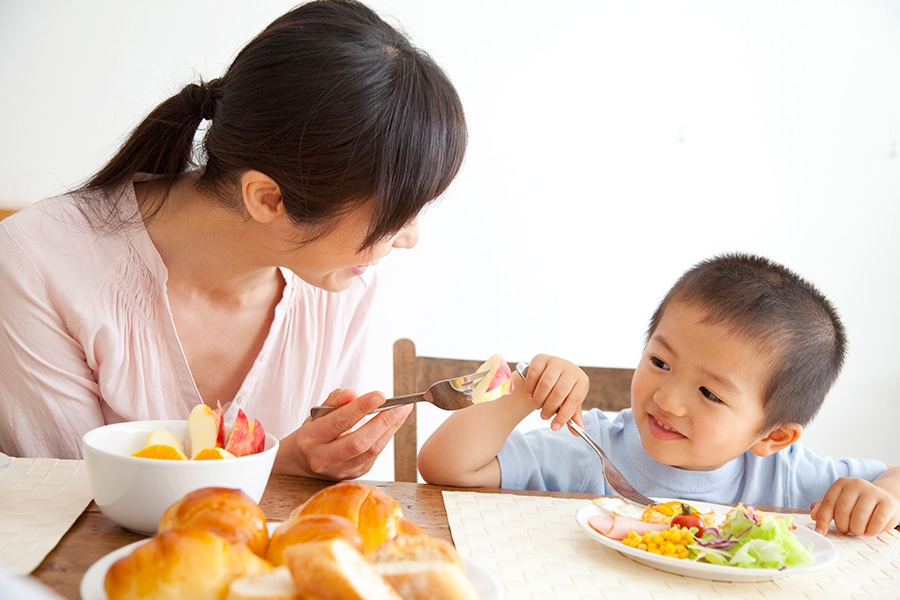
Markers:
697,394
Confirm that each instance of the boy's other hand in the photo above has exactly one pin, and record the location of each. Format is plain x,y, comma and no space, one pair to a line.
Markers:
857,506
556,387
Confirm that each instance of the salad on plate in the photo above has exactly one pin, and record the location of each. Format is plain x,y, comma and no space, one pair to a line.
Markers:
744,537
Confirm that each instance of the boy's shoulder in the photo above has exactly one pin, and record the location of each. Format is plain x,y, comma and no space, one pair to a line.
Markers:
798,462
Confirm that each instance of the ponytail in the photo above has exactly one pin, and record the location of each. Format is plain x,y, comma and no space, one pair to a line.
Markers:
163,143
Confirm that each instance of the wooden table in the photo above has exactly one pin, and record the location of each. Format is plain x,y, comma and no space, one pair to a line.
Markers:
93,535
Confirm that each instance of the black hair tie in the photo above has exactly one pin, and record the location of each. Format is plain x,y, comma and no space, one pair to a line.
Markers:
208,108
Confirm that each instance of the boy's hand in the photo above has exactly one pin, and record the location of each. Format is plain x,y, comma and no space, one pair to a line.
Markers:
557,387
857,506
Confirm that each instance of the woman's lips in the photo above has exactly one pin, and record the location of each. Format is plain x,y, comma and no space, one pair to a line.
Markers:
661,430
360,269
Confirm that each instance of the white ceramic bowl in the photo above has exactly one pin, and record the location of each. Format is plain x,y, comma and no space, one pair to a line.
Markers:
134,492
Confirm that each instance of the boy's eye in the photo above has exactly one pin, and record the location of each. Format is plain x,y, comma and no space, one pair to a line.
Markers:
709,395
659,364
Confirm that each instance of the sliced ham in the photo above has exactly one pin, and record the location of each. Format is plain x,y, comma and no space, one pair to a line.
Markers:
617,528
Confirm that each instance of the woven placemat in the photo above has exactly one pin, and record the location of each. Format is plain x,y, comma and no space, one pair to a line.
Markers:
40,499
533,548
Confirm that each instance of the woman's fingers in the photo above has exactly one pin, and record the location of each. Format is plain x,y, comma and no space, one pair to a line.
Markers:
370,448
341,453
352,410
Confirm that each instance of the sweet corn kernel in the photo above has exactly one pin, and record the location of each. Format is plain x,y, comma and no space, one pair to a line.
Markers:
671,542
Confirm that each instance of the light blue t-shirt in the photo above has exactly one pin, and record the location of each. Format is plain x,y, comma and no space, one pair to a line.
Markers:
559,461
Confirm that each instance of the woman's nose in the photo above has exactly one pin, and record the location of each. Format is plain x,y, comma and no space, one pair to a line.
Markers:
408,236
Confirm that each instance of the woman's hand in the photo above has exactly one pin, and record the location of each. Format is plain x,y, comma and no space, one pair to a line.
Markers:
329,447
556,387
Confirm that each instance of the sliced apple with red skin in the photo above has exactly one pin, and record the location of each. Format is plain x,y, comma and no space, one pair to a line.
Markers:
245,437
220,436
498,381
205,428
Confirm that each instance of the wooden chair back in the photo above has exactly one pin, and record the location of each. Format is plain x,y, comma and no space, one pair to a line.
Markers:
610,390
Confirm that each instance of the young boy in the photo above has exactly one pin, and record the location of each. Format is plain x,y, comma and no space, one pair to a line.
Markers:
739,357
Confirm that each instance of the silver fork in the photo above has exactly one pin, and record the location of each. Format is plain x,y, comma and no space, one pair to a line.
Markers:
448,394
611,474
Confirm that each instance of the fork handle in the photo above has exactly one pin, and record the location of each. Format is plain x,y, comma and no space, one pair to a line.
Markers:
318,411
574,426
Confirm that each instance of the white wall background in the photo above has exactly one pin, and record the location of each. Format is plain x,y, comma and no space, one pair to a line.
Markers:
612,145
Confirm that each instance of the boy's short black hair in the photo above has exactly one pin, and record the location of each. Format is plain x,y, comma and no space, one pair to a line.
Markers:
784,314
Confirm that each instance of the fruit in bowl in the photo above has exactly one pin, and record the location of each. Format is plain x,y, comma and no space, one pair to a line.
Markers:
206,428
134,492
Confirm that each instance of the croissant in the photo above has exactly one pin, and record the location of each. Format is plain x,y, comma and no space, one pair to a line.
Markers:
335,570
375,514
181,563
228,512
420,567
308,528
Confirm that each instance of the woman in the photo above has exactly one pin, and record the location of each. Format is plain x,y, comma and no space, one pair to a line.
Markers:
245,280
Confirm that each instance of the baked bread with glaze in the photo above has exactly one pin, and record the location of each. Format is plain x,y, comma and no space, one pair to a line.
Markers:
421,567
181,563
311,528
374,513
276,584
335,570
227,512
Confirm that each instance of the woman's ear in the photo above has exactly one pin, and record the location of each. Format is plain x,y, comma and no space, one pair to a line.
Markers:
778,439
262,196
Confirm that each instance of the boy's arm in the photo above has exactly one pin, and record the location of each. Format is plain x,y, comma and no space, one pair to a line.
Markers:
463,450
860,507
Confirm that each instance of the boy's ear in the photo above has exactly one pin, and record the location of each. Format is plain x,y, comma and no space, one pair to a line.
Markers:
262,196
778,439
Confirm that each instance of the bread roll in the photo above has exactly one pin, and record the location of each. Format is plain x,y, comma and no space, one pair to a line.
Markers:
406,548
420,567
310,528
228,512
181,563
406,526
428,580
276,584
334,570
375,514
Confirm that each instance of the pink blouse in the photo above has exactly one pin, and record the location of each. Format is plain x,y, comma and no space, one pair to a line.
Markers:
87,337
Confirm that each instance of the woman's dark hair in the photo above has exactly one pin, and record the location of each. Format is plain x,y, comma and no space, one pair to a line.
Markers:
332,103
789,319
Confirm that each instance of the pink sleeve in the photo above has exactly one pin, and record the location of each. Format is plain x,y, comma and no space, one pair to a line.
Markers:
48,396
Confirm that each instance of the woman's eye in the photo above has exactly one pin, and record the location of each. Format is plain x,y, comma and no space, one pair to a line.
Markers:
659,364
709,395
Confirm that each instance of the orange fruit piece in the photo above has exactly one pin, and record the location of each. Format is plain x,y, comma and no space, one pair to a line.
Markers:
160,451
212,454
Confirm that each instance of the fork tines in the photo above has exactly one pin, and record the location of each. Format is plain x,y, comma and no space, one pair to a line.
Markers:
640,499
467,382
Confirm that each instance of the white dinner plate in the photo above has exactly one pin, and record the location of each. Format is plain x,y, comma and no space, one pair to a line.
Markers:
92,582
5,461
823,551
